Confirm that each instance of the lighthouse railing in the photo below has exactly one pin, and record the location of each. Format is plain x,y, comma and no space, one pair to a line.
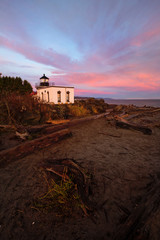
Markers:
50,84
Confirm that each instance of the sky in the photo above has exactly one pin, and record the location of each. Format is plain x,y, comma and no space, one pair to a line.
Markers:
103,48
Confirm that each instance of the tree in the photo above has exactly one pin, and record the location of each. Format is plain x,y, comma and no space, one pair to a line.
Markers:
27,87
11,84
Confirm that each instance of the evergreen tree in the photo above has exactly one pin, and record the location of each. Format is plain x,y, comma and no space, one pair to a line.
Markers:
11,84
27,86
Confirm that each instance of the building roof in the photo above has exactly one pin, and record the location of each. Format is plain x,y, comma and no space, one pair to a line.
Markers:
42,87
44,77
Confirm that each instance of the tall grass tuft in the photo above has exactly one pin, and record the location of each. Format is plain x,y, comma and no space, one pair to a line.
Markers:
62,198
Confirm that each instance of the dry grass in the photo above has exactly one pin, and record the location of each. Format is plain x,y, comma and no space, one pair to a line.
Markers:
78,111
26,110
62,198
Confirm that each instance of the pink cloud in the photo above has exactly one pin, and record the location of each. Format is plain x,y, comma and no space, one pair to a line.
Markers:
129,80
146,36
92,92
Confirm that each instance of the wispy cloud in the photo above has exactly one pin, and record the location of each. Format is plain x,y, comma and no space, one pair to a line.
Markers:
34,53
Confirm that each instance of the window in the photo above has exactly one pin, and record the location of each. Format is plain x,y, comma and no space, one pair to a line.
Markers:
59,96
42,96
48,96
67,96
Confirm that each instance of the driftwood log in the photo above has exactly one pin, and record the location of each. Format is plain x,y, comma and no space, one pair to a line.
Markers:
85,119
50,128
26,148
37,128
54,128
122,123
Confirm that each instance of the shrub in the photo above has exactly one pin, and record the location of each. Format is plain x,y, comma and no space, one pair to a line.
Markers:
26,110
20,109
78,111
60,111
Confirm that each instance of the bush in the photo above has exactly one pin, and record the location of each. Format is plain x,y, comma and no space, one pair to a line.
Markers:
78,111
27,110
17,108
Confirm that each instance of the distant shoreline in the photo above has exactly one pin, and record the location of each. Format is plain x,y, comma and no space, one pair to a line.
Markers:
136,102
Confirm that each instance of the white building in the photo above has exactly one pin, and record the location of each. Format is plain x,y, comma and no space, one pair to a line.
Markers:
54,94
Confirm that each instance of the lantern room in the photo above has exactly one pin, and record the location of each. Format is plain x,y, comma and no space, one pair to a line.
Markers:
44,81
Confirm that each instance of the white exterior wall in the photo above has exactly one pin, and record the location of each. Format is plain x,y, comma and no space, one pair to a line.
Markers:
53,95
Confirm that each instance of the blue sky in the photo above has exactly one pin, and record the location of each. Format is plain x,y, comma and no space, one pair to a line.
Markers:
104,48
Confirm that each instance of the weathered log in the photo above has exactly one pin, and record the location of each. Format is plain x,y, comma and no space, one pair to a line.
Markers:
50,128
37,128
120,122
26,148
55,128
149,204
85,119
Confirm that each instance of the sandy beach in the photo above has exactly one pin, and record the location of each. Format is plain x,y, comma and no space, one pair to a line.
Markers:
125,165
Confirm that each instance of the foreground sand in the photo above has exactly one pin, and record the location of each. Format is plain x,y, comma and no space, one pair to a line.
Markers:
124,163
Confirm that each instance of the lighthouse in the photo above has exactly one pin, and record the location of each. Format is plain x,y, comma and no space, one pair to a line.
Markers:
50,93
44,81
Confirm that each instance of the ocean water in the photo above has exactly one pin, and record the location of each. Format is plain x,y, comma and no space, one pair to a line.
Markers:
136,102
